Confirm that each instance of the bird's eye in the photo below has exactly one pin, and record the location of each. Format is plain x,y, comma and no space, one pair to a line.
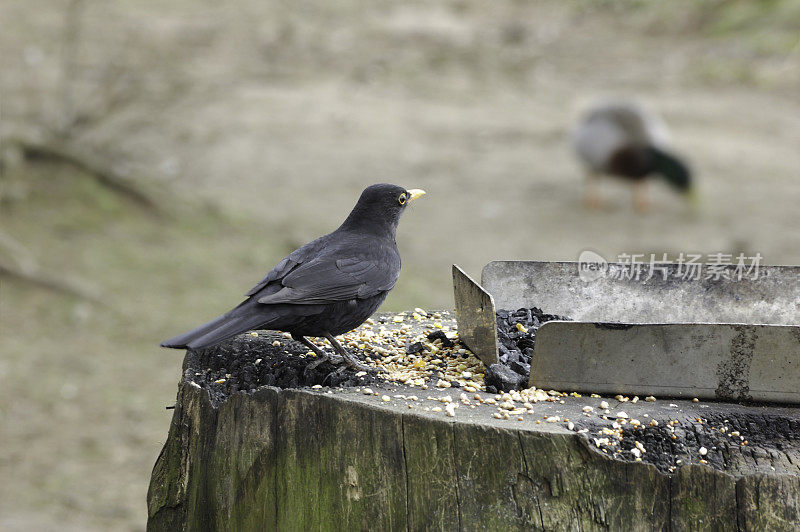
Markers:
402,199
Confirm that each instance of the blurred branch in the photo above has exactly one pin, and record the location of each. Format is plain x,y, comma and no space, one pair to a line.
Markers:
59,152
17,262
78,110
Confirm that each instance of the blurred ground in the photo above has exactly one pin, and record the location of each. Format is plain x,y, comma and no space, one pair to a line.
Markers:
258,126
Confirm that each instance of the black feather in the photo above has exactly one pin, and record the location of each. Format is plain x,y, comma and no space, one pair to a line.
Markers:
328,286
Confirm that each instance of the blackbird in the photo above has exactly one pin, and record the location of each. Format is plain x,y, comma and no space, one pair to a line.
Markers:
325,288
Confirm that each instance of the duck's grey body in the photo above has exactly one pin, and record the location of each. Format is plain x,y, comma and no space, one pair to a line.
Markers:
613,126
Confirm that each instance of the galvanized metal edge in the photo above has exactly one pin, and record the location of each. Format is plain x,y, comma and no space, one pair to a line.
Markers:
708,361
475,312
668,294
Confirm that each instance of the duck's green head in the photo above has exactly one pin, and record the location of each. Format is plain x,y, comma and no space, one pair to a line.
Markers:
673,170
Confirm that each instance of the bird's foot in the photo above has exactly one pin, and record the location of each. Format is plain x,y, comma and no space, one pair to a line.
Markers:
591,196
353,363
642,206
326,381
641,200
317,362
321,359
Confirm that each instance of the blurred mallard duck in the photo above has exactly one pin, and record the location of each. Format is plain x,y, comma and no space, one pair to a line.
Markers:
621,139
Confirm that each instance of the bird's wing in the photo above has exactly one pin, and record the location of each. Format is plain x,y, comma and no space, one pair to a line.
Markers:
299,256
328,279
596,140
641,126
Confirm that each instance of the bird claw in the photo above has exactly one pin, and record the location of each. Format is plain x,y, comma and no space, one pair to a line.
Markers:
337,371
325,357
316,363
353,363
642,206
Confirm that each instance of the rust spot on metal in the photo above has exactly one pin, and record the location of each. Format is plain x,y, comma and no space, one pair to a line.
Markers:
613,326
734,372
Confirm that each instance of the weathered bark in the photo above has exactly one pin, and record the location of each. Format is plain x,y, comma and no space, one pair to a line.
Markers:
303,460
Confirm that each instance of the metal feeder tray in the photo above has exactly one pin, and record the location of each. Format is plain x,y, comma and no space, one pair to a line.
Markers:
722,339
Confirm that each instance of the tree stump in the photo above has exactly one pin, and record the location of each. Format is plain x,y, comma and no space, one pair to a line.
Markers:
340,459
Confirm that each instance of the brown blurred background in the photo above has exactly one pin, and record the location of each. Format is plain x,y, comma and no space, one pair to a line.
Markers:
161,156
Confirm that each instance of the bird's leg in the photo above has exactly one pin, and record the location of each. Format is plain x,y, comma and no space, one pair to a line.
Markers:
591,196
309,344
322,356
348,358
641,200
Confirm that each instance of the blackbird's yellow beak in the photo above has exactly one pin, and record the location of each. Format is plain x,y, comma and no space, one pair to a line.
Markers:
414,193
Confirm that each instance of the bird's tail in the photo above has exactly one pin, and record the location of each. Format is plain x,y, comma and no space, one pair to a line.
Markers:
216,330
